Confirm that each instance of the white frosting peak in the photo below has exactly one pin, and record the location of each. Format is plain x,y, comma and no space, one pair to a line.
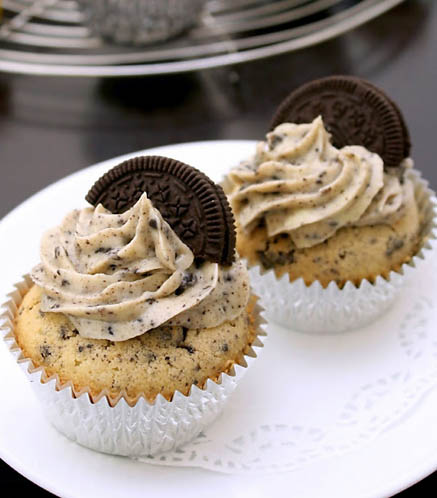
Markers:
117,276
299,183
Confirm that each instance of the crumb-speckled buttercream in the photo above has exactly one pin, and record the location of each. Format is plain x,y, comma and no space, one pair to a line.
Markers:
116,276
299,183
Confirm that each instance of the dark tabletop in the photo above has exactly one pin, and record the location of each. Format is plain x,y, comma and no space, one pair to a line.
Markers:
50,127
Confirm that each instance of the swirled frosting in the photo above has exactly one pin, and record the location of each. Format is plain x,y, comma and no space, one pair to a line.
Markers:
300,184
117,276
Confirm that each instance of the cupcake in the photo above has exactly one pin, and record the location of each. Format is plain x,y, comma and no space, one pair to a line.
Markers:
139,319
330,209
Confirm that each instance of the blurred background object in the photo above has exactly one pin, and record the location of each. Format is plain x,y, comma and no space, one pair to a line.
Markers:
53,37
140,22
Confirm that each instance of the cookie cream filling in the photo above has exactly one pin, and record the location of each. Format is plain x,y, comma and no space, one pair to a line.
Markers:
299,183
117,276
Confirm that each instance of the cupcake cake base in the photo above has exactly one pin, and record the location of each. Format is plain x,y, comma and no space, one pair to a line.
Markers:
125,425
332,309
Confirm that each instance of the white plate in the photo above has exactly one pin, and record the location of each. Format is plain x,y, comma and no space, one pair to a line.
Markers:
386,432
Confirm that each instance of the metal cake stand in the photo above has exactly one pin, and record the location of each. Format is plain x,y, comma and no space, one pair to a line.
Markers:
48,37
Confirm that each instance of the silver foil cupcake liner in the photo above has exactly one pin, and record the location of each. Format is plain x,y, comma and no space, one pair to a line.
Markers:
314,309
126,427
140,22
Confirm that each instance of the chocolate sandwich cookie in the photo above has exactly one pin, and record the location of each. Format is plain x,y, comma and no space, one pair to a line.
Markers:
194,206
407,139
354,111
